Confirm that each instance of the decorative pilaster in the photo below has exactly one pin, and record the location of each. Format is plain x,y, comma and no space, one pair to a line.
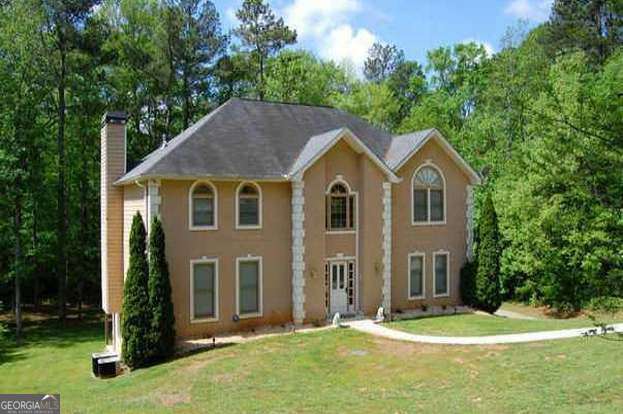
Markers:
469,215
298,252
153,201
387,247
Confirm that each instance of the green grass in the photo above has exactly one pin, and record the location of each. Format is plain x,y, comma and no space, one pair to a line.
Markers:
542,312
328,371
479,325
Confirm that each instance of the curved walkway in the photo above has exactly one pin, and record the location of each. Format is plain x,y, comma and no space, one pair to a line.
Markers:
370,327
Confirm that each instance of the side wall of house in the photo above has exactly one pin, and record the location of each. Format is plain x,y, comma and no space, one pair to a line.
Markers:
272,243
427,239
133,201
364,178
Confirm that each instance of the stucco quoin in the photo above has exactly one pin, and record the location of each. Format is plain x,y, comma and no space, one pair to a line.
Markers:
272,243
428,239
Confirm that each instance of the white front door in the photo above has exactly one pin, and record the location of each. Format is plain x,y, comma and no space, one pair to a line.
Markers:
339,296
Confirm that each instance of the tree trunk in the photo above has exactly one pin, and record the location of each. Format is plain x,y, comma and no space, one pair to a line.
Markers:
61,196
18,268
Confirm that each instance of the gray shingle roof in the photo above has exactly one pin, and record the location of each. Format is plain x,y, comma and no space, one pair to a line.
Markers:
245,138
403,145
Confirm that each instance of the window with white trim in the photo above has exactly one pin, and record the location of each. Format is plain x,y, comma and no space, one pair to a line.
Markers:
428,196
441,263
249,206
249,285
204,289
416,275
340,208
202,206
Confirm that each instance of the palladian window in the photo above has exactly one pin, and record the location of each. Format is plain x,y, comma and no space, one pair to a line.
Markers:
428,196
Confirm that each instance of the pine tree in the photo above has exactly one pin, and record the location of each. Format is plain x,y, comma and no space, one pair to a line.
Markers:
488,296
160,304
136,318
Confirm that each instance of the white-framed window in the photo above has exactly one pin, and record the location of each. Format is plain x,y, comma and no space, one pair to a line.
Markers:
428,195
248,206
340,207
204,290
202,206
441,267
249,300
417,272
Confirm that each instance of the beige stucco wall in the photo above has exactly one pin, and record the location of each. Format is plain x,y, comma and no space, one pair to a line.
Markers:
272,243
408,238
133,201
366,179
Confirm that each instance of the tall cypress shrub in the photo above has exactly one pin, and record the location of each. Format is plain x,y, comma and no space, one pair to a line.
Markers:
135,315
488,295
160,304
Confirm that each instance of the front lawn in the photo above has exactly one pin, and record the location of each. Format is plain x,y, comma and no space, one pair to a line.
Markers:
479,325
327,371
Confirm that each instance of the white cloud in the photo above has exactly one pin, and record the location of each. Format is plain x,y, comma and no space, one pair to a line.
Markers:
344,43
488,46
535,10
326,24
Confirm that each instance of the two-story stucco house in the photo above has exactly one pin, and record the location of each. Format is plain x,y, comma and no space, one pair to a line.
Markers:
277,213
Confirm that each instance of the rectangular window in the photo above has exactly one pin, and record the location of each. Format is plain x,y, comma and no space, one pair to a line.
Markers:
416,275
249,212
249,286
203,212
441,274
338,213
420,207
436,205
204,284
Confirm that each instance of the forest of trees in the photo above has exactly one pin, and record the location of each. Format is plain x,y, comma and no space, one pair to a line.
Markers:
542,119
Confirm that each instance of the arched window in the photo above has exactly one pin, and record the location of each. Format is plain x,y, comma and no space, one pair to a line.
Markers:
202,206
428,196
249,207
340,208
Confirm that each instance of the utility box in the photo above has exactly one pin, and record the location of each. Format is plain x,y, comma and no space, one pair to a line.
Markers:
95,357
107,367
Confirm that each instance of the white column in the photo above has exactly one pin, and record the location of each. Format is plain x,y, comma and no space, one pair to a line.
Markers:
387,247
298,252
469,223
153,201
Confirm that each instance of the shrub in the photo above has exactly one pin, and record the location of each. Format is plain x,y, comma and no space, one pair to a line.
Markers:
468,283
160,304
135,315
488,296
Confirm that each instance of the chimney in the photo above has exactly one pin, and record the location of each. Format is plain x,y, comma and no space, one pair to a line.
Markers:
112,167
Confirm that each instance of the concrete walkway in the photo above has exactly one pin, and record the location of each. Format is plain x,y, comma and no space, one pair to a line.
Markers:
370,327
514,315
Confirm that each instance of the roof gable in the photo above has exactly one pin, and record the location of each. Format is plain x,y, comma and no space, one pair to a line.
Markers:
404,147
319,145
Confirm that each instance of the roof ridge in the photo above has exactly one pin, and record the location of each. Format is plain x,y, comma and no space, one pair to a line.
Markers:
282,102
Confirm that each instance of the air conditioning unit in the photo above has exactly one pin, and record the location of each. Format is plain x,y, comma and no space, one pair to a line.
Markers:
96,357
107,367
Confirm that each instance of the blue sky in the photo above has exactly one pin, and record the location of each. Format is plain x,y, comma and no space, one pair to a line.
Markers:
343,30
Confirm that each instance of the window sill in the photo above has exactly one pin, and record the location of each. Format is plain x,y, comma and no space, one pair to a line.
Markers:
204,320
428,223
248,227
442,295
340,231
250,315
202,228
416,297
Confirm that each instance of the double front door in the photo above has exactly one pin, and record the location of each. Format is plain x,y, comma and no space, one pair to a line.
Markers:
342,287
